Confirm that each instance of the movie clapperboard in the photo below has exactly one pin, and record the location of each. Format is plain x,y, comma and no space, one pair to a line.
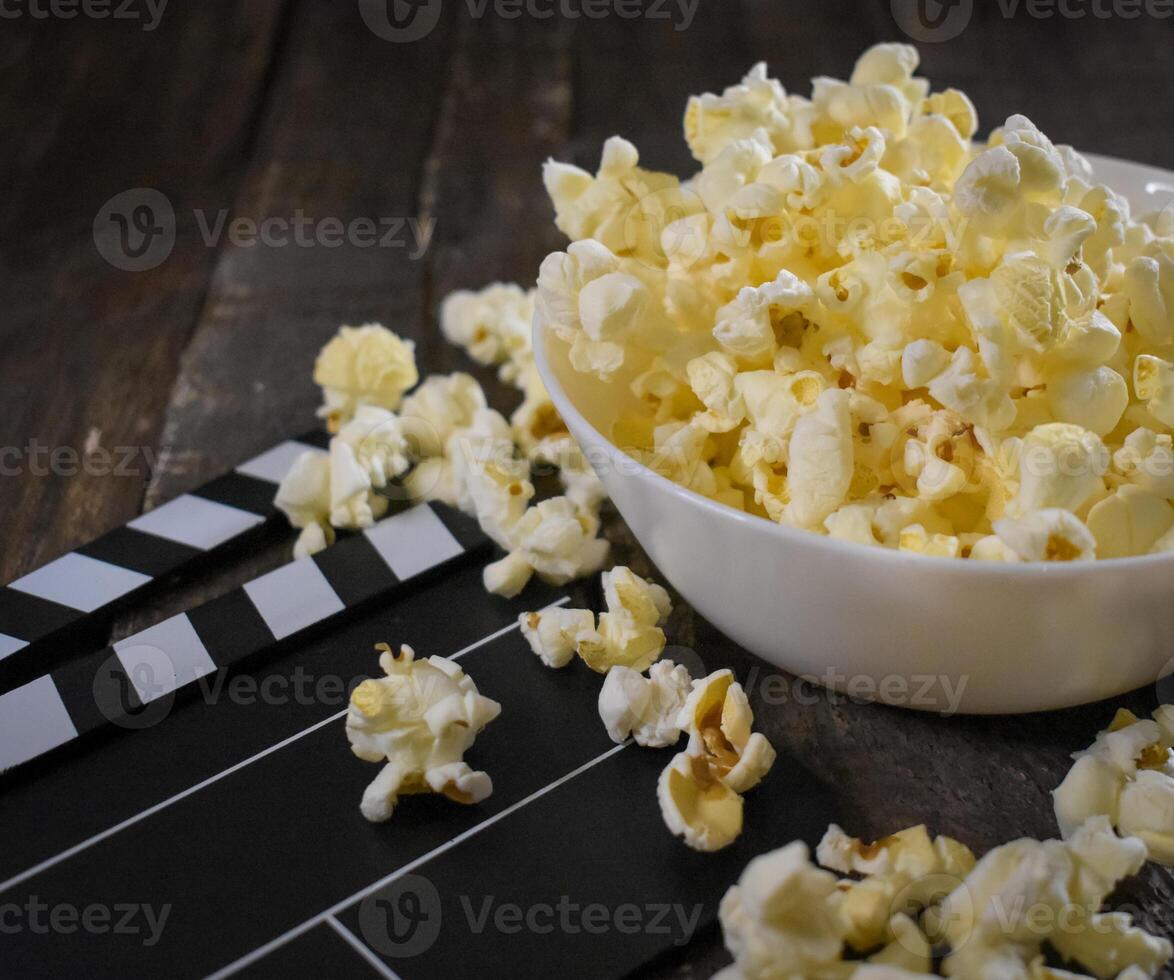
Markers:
184,803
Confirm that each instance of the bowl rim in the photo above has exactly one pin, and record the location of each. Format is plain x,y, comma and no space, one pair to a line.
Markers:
834,546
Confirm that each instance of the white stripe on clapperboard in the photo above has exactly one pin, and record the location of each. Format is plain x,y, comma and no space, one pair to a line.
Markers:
211,780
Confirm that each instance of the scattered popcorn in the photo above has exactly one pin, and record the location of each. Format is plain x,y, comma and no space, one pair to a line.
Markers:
421,719
853,306
367,365
1027,892
645,708
492,325
928,898
629,633
554,634
700,790
304,492
1126,776
554,540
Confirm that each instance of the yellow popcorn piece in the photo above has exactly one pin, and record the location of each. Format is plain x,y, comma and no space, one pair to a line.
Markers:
696,806
623,206
555,633
1026,892
629,633
1149,285
1060,466
553,539
1047,535
646,709
420,719
819,461
1125,777
589,302
712,122
367,365
1146,459
491,324
1153,383
1130,522
442,405
778,919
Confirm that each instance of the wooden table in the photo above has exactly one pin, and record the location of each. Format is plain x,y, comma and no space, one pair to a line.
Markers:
279,108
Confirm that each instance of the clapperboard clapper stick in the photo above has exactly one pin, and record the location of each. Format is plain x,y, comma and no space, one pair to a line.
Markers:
48,614
145,671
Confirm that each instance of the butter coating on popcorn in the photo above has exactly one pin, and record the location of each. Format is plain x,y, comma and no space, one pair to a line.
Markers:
700,791
629,633
420,720
854,305
1127,777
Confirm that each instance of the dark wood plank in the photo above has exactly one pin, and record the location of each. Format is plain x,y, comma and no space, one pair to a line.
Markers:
89,351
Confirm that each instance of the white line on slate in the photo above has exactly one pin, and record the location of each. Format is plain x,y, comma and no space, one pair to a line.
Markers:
262,951
85,845
361,948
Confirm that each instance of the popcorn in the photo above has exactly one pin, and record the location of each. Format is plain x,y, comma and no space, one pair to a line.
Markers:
1027,891
585,298
1149,285
712,122
552,539
922,898
629,633
441,406
1127,778
700,790
421,718
1060,466
554,634
367,365
646,709
1153,383
1130,522
819,469
304,492
1047,535
1146,459
492,324
779,920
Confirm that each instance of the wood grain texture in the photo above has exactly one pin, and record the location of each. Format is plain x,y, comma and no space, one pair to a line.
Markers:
280,107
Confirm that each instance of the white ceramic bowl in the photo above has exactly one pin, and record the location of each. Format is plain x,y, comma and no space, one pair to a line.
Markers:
932,633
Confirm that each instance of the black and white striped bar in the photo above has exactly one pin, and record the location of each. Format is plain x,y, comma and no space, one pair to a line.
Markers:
87,584
133,683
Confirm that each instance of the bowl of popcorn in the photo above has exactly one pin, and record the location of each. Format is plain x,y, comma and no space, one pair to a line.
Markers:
891,408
